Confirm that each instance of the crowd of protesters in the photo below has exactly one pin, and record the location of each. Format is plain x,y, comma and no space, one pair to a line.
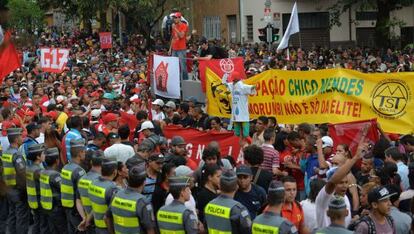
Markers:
100,110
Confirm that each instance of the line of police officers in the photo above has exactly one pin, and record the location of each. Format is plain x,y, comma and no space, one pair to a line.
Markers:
71,200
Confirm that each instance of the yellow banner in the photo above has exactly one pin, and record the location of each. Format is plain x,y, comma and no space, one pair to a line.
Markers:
323,96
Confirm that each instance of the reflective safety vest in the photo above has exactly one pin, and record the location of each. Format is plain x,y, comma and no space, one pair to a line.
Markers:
97,192
83,187
217,215
9,171
170,219
46,193
267,224
67,188
124,211
33,193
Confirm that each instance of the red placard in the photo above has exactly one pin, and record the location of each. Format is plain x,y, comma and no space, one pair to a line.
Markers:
197,140
53,59
105,39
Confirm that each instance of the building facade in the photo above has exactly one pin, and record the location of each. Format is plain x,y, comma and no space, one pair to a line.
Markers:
239,21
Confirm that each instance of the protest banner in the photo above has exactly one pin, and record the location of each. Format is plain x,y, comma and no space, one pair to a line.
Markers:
221,67
324,96
351,133
105,39
9,58
197,140
166,82
53,60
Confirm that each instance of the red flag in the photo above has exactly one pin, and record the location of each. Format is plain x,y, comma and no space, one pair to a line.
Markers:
220,67
9,58
351,133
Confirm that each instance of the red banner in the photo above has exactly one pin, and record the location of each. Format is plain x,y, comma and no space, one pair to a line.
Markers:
105,38
221,67
351,133
197,140
53,59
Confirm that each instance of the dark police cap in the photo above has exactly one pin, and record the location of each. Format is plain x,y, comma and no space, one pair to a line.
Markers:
35,148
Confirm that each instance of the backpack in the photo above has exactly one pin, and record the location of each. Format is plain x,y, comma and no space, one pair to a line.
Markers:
370,223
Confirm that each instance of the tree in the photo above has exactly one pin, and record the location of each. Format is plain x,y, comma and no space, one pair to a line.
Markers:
384,21
144,15
25,14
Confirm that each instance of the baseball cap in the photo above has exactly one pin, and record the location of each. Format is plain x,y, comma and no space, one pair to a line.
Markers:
203,40
60,98
35,148
109,96
171,104
243,170
177,140
158,102
327,142
379,194
146,125
183,171
145,146
51,114
179,181
156,157
228,176
32,126
77,143
52,152
337,203
14,131
110,117
113,135
95,113
177,15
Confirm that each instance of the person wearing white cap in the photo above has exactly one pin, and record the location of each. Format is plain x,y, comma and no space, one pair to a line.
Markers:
146,128
157,113
170,108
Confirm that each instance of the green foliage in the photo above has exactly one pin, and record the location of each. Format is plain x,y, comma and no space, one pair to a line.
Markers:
25,14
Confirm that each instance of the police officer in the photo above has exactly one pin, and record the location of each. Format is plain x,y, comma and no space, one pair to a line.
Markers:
139,219
224,214
176,217
271,221
50,182
14,176
101,192
71,173
95,160
337,212
36,157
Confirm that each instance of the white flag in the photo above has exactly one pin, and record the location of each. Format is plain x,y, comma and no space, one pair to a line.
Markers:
166,76
292,28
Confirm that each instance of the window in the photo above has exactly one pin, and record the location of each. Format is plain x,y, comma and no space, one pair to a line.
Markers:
249,30
211,27
308,20
366,15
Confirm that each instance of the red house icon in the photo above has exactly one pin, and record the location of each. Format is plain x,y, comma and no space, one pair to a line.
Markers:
161,77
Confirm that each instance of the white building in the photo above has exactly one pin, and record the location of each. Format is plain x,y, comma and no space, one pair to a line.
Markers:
356,26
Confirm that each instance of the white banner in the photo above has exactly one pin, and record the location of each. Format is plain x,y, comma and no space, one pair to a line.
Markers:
53,59
166,76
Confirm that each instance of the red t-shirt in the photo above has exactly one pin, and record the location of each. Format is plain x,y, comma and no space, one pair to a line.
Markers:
294,214
285,156
177,42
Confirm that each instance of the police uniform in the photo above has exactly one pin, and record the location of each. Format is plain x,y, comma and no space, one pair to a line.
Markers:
50,182
101,192
336,203
270,222
225,215
71,174
33,191
130,210
176,217
4,209
14,174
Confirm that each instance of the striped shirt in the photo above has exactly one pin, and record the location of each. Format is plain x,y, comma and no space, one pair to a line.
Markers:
270,157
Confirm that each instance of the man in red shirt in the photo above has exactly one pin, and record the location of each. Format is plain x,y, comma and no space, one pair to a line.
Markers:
178,43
